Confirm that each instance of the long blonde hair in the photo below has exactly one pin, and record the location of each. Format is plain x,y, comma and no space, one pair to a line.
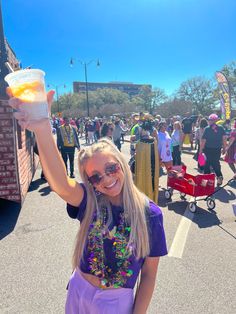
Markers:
134,203
179,125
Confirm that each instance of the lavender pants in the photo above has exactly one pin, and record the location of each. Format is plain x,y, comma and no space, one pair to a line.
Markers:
84,298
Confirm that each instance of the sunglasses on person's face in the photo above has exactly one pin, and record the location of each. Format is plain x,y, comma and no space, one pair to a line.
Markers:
109,170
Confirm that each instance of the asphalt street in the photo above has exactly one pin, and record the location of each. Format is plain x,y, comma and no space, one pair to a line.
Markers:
198,275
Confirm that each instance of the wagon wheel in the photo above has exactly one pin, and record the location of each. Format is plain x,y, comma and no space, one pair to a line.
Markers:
182,196
211,204
192,206
167,194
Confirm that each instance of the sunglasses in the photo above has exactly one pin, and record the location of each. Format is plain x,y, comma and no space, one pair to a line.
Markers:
109,170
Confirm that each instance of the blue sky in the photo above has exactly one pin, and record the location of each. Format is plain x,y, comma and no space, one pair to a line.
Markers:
160,42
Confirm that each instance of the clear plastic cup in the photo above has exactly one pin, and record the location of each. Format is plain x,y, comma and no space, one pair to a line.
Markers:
29,86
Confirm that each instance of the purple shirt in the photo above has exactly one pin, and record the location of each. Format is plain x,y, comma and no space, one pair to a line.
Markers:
156,238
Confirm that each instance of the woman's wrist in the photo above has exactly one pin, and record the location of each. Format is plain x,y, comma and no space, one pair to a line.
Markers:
42,126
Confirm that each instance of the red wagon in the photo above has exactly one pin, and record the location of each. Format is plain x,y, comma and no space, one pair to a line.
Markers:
195,186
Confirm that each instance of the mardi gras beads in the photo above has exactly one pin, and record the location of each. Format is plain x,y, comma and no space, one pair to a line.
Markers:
120,237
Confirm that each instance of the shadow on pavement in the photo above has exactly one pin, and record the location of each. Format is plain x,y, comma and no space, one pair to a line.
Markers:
34,185
45,191
9,213
203,218
224,195
178,207
232,184
206,219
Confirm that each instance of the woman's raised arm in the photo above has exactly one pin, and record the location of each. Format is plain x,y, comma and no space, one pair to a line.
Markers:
50,158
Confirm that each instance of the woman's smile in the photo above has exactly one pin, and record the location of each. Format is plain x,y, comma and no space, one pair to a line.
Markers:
110,186
110,183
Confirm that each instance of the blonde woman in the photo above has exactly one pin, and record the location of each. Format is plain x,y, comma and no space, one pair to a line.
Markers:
121,232
176,143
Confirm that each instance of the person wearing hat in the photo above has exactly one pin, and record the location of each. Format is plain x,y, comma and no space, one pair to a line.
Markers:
212,142
146,158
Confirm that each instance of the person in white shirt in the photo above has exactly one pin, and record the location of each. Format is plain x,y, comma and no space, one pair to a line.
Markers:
177,140
164,146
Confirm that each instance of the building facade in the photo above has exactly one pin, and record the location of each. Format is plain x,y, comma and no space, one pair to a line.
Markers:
17,159
129,88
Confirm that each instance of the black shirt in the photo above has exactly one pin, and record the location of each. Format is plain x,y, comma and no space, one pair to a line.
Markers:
213,135
187,125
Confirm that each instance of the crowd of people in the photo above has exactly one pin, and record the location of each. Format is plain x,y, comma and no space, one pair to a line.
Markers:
121,233
156,143
171,136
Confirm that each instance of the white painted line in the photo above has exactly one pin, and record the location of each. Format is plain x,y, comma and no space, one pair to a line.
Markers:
178,244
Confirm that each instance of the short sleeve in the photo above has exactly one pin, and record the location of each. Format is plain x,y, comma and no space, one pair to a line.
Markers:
205,133
157,237
78,212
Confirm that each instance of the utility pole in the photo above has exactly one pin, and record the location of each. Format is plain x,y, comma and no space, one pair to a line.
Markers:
85,64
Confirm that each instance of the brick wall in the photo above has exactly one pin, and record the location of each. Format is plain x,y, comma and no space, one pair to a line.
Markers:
27,161
9,187
17,160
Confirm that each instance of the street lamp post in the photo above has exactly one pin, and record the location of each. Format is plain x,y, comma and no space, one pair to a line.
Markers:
85,64
57,95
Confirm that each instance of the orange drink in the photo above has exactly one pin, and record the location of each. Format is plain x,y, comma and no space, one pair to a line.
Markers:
27,92
28,85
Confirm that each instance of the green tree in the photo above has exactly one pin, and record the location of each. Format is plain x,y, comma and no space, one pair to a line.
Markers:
107,101
111,96
137,103
68,101
174,107
158,97
146,95
199,91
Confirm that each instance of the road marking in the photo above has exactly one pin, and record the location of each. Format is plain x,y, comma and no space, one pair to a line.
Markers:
180,238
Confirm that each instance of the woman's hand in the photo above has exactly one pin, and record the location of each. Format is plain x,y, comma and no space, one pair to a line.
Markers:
22,116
